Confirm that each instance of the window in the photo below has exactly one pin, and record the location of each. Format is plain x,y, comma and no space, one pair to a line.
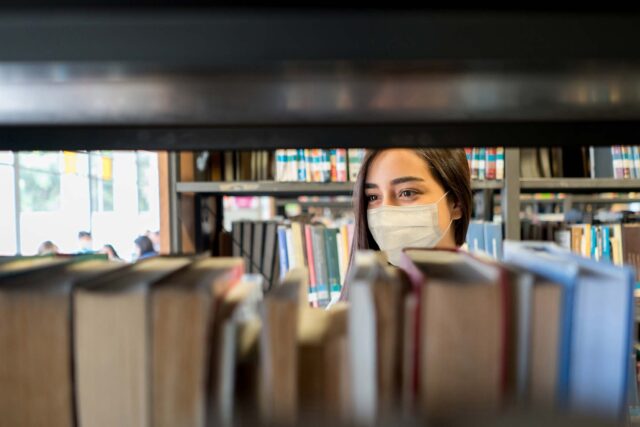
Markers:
101,164
7,213
147,176
6,158
39,181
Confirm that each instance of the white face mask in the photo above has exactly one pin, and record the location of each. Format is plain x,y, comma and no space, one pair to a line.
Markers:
397,227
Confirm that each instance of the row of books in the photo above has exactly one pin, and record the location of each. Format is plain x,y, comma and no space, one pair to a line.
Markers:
272,248
485,237
617,161
616,243
524,331
192,341
232,166
486,163
317,165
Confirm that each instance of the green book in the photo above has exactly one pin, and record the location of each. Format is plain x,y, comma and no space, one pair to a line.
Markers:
333,266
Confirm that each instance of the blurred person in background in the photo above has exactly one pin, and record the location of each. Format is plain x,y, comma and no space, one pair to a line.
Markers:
112,255
86,242
47,248
144,248
154,236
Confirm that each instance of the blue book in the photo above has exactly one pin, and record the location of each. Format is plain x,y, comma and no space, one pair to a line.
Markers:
282,251
605,235
596,335
493,239
602,338
302,166
542,258
475,236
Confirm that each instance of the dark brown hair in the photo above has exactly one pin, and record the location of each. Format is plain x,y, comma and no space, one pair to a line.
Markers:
449,168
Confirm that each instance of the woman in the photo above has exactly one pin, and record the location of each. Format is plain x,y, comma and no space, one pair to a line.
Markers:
145,248
411,198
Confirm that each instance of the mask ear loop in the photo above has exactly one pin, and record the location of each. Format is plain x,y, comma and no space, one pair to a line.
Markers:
446,230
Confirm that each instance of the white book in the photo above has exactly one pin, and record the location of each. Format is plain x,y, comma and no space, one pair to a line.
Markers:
500,163
290,251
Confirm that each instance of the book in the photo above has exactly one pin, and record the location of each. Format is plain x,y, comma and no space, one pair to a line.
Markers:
247,244
627,162
283,257
36,341
182,316
618,161
601,162
313,281
333,263
257,248
482,163
472,298
236,235
278,397
320,264
475,236
323,370
112,344
270,254
355,156
474,162
631,247
491,163
341,165
493,239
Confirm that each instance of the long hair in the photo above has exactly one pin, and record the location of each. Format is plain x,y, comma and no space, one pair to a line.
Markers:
449,168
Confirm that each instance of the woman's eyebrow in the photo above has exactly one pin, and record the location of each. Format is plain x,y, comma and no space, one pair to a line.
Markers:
370,185
403,179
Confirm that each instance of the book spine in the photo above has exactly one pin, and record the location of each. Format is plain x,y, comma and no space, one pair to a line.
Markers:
333,163
482,167
341,256
317,172
606,243
279,165
333,268
636,159
291,259
355,162
500,163
326,157
322,283
341,164
626,162
618,168
468,151
282,251
595,239
474,163
313,282
301,166
308,165
491,163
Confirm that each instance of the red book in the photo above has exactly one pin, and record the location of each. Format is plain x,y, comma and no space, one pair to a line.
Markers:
313,292
491,163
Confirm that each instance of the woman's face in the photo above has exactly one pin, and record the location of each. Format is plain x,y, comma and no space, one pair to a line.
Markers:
400,177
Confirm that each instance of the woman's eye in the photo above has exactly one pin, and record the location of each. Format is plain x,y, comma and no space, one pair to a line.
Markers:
407,193
372,198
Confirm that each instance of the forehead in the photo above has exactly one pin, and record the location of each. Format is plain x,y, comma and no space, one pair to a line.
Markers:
395,163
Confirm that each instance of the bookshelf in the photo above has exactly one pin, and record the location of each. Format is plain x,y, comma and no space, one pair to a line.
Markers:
579,184
284,189
511,188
